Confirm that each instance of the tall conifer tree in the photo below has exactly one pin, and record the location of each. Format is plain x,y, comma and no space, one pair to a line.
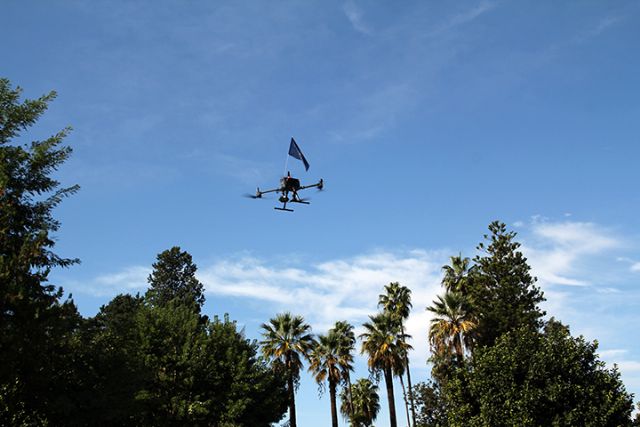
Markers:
35,325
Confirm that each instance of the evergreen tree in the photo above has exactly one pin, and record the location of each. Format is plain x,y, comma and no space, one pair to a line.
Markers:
36,326
173,279
532,378
502,292
430,408
109,352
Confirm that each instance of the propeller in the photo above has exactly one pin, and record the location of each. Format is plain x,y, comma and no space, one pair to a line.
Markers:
258,195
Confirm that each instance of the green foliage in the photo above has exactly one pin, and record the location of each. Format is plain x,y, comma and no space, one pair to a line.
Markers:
325,365
501,290
173,280
396,302
36,328
386,348
456,276
361,409
288,341
109,349
430,406
452,326
167,366
531,378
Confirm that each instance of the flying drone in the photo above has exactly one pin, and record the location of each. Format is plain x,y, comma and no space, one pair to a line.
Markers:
290,186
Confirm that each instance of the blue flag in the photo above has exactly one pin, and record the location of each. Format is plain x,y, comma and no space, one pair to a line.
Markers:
294,151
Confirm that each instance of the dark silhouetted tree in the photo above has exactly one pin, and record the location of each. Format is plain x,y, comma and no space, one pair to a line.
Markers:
36,326
174,280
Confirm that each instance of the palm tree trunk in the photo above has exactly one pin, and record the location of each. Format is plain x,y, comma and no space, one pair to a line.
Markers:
292,401
334,409
406,402
388,379
406,365
350,395
411,404
291,391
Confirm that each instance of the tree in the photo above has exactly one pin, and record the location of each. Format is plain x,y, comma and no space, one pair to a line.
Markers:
172,348
168,366
241,388
346,347
325,365
36,327
532,378
456,276
363,405
386,347
108,354
430,408
501,290
288,340
396,301
452,325
173,279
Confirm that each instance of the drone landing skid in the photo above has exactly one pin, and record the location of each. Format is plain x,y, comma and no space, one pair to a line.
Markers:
283,209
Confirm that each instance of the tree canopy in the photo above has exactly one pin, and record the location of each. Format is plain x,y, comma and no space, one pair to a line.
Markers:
531,378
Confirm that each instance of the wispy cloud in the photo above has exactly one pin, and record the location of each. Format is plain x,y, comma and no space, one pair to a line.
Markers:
603,25
355,16
335,289
557,249
463,18
581,37
129,280
377,112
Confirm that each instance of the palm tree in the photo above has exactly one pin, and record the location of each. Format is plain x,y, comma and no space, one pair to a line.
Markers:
362,407
456,275
452,327
325,365
346,347
287,339
397,302
386,348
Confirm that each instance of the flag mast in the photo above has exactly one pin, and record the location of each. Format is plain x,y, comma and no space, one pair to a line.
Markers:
286,163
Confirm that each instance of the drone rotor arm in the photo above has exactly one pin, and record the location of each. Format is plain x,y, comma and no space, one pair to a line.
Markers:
319,184
268,191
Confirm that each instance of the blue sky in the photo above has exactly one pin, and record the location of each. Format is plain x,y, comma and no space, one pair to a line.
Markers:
427,120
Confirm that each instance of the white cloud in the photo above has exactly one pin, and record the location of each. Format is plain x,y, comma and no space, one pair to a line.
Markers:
325,292
355,16
613,353
557,249
131,279
635,267
629,366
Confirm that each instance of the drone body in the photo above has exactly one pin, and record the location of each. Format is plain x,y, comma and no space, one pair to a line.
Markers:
289,187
